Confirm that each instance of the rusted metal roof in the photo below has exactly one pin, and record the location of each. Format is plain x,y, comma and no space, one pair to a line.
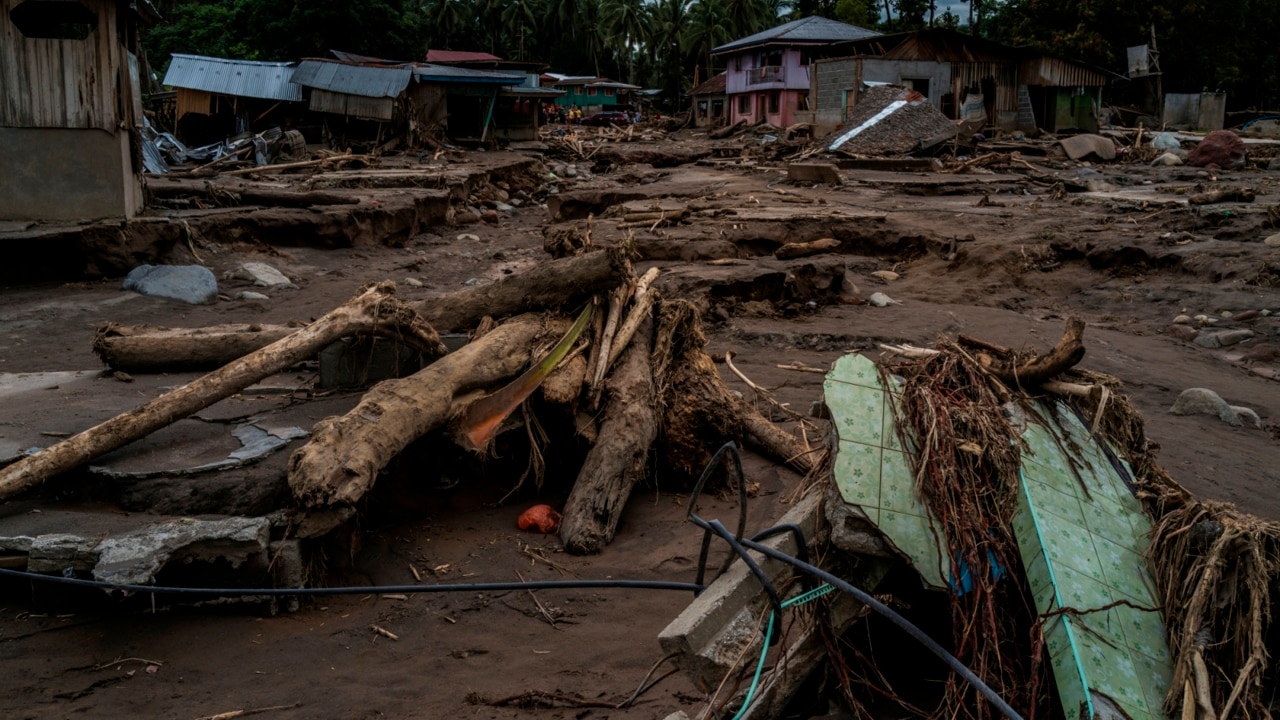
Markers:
363,80
713,86
242,78
451,74
459,56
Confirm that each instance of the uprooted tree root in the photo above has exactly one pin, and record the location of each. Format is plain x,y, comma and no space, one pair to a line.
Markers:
1214,568
965,457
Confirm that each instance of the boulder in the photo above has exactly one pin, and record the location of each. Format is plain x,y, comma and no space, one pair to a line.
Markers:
1078,147
1222,148
194,284
263,275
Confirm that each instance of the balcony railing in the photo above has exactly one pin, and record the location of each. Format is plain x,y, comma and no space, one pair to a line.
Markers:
766,74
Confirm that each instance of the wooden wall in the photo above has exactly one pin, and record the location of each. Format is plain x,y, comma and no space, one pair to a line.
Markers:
50,83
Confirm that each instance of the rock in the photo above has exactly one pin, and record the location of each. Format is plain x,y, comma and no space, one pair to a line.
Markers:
1168,160
468,237
466,216
1201,319
882,300
193,284
1247,415
1225,314
571,171
1246,315
1220,147
251,295
413,282
1231,337
1203,401
1184,333
1182,320
821,173
490,217
136,557
503,207
1272,240
263,275
886,275
1264,312
1166,141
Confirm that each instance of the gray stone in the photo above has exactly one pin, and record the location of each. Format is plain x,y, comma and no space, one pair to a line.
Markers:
193,284
1182,320
251,295
413,282
1272,240
1167,160
886,275
57,552
1166,141
1203,401
263,275
503,207
134,558
823,173
1231,337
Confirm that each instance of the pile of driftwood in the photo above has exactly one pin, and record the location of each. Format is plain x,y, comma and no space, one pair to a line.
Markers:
632,371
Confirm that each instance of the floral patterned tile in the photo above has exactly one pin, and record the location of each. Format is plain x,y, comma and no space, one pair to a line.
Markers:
856,370
914,535
1111,671
898,485
1077,590
1155,677
1068,545
857,412
1048,499
857,473
1066,673
1145,633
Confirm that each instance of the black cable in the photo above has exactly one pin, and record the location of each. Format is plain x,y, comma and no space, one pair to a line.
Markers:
896,619
361,590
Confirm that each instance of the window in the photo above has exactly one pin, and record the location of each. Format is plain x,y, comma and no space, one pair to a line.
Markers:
54,20
744,104
591,91
737,63
608,91
775,100
802,100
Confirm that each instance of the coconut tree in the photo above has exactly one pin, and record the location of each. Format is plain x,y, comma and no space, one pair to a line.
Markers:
449,21
709,26
520,20
626,25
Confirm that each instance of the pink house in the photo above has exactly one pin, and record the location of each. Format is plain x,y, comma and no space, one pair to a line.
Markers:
768,73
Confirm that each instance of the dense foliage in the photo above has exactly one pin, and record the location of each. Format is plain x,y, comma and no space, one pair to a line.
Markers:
1229,45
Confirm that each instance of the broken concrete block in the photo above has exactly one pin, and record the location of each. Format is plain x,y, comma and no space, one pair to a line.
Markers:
1079,147
822,173
136,557
193,284
263,275
56,553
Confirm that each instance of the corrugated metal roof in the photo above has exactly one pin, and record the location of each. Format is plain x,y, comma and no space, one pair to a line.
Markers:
243,78
451,74
812,30
362,80
532,91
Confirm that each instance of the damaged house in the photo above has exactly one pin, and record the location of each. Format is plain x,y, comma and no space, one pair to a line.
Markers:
768,79
71,109
592,94
218,97
384,101
709,102
965,78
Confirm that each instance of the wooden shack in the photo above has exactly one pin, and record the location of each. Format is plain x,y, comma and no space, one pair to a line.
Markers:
71,109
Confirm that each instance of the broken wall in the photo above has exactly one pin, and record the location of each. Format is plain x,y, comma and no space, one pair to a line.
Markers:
929,78
66,174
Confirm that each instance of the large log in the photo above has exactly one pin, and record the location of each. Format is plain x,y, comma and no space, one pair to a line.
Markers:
342,460
144,348
374,311
1034,372
553,283
619,458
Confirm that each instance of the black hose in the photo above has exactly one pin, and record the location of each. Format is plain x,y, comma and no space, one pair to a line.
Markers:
359,590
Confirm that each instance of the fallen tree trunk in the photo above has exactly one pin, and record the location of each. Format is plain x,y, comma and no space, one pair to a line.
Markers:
374,311
791,251
143,348
550,284
342,460
619,459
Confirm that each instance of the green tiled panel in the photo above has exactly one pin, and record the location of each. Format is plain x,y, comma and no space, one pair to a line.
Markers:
870,469
1082,534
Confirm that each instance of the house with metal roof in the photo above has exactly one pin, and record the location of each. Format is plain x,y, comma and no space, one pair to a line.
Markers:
220,97
71,109
591,94
768,76
385,100
709,101
965,77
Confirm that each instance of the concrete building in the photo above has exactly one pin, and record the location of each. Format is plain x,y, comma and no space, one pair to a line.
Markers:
592,94
965,78
70,109
768,76
709,102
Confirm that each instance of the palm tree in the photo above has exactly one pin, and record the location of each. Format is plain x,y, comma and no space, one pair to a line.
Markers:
520,18
745,17
448,20
626,24
667,21
708,27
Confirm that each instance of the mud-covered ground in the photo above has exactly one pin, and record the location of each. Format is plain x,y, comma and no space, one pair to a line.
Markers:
997,256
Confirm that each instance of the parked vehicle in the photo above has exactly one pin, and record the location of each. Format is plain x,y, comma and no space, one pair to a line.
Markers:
607,118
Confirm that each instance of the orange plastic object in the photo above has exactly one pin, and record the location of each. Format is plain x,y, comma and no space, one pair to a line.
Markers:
540,518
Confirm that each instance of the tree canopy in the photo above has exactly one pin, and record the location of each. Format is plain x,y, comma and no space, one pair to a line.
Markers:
1224,45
